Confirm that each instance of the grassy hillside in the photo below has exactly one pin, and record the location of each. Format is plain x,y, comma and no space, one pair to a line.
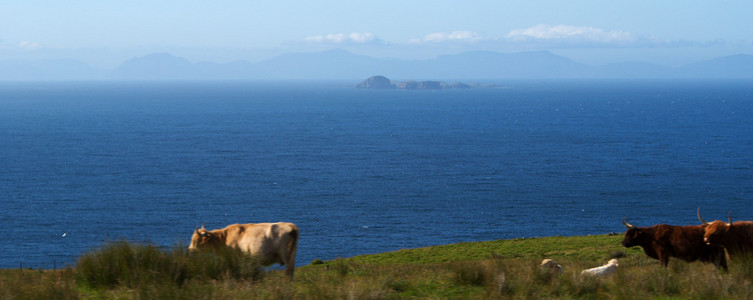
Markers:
504,269
583,248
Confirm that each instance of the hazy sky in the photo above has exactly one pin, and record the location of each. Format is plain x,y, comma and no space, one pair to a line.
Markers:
106,32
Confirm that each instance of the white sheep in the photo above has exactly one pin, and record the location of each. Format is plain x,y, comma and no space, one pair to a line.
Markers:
551,266
609,268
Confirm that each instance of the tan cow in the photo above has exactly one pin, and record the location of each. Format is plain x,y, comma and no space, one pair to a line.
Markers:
270,242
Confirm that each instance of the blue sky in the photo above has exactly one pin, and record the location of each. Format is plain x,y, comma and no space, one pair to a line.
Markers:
105,32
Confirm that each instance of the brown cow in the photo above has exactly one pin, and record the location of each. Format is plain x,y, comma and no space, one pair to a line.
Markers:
736,237
270,242
664,241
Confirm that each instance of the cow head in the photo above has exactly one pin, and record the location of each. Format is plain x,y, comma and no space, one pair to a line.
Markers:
715,231
201,238
633,236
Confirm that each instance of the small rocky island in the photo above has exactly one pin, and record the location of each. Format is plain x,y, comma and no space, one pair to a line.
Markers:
381,82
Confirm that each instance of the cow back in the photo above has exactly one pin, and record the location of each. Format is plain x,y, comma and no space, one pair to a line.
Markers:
261,239
739,239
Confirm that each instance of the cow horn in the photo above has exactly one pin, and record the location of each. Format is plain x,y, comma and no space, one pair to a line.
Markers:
699,217
628,225
730,219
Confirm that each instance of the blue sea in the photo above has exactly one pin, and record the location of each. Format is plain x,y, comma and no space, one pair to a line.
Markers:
363,171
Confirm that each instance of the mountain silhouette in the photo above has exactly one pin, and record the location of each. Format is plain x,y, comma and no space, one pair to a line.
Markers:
341,64
344,65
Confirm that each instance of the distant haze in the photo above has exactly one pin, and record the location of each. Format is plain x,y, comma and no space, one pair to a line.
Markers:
341,64
104,34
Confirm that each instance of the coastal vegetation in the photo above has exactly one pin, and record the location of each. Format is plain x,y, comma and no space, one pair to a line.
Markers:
502,269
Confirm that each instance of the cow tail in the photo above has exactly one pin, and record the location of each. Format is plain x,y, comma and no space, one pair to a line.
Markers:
293,243
292,248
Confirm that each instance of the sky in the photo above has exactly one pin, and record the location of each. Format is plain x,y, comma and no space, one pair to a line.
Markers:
104,33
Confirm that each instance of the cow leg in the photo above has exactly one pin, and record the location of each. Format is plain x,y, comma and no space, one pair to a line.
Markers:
288,259
290,268
664,261
721,262
289,254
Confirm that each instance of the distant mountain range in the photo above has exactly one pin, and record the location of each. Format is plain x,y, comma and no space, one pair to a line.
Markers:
340,64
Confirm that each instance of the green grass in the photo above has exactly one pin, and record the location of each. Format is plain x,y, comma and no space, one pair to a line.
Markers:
578,247
503,269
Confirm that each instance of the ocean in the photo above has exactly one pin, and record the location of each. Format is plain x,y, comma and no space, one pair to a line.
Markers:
363,171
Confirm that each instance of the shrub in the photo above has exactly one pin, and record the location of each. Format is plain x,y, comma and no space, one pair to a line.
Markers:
133,265
341,267
471,273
